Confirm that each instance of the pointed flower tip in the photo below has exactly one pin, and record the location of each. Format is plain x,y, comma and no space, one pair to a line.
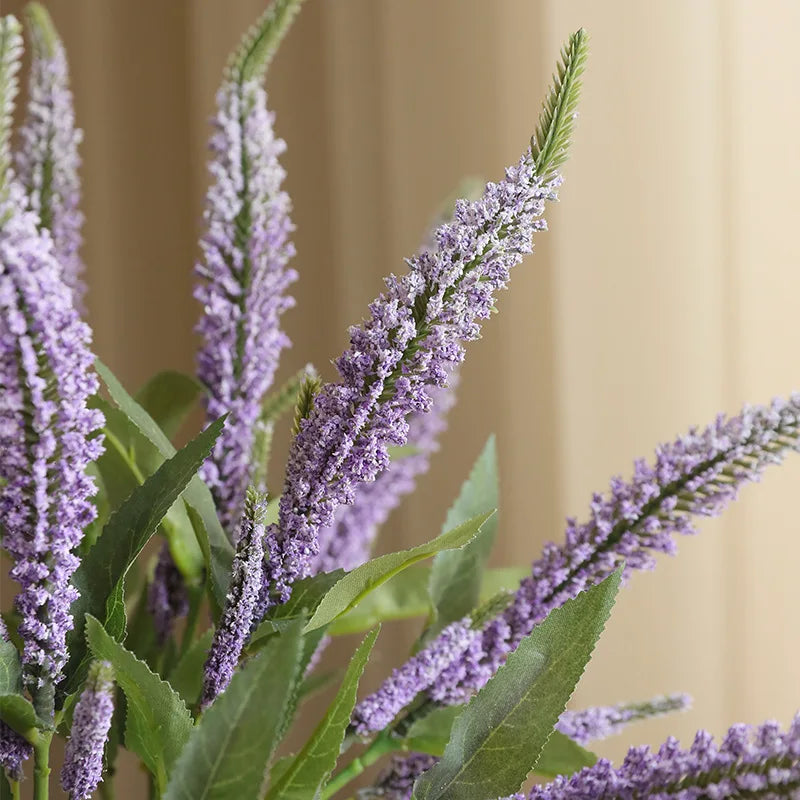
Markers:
42,32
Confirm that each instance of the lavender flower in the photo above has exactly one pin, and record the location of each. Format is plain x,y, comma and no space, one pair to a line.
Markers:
348,541
48,161
759,762
592,724
244,277
699,474
83,758
167,600
375,712
14,749
396,782
234,626
47,436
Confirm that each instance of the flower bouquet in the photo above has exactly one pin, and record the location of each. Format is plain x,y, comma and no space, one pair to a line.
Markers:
174,602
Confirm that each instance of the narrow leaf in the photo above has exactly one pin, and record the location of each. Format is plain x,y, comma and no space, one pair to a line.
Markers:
158,722
187,677
216,547
228,752
500,736
455,583
312,766
562,756
358,583
124,536
168,397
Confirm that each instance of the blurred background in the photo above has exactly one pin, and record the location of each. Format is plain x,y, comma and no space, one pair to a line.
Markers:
666,290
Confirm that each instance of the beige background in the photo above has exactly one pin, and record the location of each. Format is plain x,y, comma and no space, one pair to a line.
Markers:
667,288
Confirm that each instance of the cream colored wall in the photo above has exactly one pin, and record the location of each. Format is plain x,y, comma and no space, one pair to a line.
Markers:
667,288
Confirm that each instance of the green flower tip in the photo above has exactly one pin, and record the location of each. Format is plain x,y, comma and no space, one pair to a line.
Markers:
249,61
550,142
305,401
41,30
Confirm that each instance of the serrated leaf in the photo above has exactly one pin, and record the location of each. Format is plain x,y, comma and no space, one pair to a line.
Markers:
405,596
499,737
213,541
358,583
18,713
187,677
562,756
312,766
455,582
228,752
158,722
116,618
168,397
125,534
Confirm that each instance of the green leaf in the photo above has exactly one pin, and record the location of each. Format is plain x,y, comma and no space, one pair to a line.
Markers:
358,583
312,766
116,618
15,709
405,596
213,541
158,722
455,583
5,788
126,533
500,736
168,397
550,142
562,756
228,752
187,677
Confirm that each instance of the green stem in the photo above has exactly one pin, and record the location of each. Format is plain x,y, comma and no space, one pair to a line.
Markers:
41,768
383,743
107,788
16,790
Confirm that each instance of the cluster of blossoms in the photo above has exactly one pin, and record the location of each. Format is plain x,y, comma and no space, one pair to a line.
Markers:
411,341
47,435
759,762
48,161
91,721
244,275
698,474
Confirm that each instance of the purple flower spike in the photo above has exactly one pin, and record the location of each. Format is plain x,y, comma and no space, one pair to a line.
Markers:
48,161
762,762
233,629
699,474
243,281
91,722
412,340
597,723
47,436
348,541
375,712
167,600
397,781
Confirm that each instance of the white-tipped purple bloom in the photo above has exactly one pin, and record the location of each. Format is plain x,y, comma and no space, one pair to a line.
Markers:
243,280
414,336
751,762
233,629
167,599
91,722
699,474
348,541
600,722
48,436
377,710
48,161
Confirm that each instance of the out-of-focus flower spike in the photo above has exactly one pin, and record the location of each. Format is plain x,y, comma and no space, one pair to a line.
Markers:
252,57
550,143
10,55
47,161
244,270
91,722
600,722
234,626
396,782
167,598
